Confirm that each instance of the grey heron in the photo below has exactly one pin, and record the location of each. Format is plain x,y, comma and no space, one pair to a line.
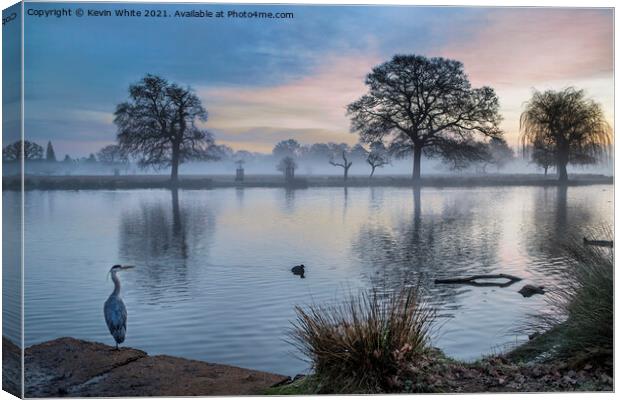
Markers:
114,309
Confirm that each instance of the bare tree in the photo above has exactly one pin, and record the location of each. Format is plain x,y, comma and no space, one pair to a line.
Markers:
112,154
158,125
500,153
377,157
341,151
287,148
31,150
542,153
571,126
424,104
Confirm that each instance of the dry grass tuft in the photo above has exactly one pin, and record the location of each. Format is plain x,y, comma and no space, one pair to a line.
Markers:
360,345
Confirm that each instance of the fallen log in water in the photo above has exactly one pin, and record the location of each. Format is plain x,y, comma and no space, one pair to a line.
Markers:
601,243
473,280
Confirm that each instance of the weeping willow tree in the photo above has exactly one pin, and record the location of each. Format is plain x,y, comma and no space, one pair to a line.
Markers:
573,126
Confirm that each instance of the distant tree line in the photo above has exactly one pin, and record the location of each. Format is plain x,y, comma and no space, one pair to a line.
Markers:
336,154
34,152
414,106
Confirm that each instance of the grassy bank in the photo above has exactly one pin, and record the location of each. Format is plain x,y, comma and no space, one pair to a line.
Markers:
579,323
380,345
109,182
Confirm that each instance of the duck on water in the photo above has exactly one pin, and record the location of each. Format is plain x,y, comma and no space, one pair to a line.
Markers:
299,270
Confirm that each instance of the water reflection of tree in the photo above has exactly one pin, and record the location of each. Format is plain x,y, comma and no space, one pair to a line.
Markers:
160,238
240,195
289,200
421,247
345,202
553,224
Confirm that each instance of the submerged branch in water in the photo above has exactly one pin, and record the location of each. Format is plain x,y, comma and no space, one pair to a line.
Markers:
473,280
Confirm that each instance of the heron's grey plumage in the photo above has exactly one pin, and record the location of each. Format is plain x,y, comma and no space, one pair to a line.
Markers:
114,310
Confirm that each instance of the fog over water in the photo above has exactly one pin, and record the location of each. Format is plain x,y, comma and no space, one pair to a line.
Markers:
263,164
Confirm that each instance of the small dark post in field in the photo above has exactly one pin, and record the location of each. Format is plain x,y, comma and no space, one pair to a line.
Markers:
287,165
240,172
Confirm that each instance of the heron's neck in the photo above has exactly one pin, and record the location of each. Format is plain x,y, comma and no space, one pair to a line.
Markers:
117,284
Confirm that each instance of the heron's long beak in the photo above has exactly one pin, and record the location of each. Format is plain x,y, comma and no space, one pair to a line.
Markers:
128,266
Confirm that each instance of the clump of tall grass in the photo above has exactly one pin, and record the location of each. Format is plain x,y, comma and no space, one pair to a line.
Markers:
583,306
360,345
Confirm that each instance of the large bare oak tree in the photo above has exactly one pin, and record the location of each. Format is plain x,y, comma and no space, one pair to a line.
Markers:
425,104
31,151
158,125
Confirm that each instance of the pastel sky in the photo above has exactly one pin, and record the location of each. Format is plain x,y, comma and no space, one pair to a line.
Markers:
267,80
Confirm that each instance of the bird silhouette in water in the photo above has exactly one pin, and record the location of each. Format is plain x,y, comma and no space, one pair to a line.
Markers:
114,309
298,270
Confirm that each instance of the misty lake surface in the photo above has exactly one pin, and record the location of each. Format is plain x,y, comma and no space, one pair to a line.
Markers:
213,282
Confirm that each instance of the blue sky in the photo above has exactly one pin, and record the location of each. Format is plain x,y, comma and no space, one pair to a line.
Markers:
267,80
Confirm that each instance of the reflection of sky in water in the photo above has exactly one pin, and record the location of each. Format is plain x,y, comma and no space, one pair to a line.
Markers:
11,267
213,277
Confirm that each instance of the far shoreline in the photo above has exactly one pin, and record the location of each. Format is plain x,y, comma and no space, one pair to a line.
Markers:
120,182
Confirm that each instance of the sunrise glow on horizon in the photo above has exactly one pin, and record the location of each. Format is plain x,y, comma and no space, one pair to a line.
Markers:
263,82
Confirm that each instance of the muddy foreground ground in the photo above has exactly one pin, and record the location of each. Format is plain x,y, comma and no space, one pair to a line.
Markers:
77,368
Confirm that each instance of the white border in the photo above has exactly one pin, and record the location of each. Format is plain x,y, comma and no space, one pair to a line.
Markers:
482,3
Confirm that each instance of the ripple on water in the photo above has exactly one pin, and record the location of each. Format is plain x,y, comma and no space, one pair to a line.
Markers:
213,278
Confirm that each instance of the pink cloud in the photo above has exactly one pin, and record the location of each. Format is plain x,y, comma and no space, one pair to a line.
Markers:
512,50
315,104
518,50
532,45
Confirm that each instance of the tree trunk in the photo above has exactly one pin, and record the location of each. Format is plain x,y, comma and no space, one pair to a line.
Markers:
561,166
176,213
176,147
417,213
546,168
174,174
417,158
372,171
346,173
562,174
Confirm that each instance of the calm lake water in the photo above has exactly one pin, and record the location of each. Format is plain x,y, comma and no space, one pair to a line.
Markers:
213,278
